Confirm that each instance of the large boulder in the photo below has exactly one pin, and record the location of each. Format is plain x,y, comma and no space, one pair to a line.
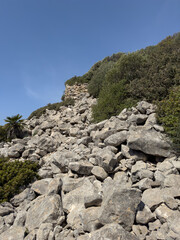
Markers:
28,194
148,141
111,232
44,209
47,186
14,233
16,150
120,206
74,201
116,139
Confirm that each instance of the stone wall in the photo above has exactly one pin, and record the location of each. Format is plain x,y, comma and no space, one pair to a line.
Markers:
76,91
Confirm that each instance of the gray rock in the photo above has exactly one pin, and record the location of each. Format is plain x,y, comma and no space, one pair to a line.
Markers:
132,154
62,159
47,186
81,167
93,200
116,139
102,134
117,124
27,194
31,235
41,186
122,180
144,214
16,150
37,215
2,225
70,184
172,180
139,119
90,219
44,231
106,159
152,198
140,231
5,210
120,206
111,231
171,202
176,164
20,219
84,140
47,125
9,219
148,141
151,121
73,202
144,184
154,225
164,166
27,153
74,132
13,233
163,213
174,223
139,165
144,106
99,172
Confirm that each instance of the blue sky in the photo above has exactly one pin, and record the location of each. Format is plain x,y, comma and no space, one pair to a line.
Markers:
45,42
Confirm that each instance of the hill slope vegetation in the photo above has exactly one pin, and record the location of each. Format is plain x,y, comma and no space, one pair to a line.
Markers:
151,74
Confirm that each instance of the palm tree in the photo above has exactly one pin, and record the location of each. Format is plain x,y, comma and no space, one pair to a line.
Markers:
14,126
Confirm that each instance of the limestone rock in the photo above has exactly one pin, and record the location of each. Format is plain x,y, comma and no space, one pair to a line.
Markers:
99,172
47,186
81,167
43,232
44,209
111,231
152,197
120,206
144,214
13,233
116,139
163,213
148,141
90,219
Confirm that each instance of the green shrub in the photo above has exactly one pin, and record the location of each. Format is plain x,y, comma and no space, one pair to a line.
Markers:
98,78
148,74
112,100
15,176
54,106
169,115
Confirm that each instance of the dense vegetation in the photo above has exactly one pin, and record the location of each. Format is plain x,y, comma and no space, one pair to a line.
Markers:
150,74
15,176
169,115
54,106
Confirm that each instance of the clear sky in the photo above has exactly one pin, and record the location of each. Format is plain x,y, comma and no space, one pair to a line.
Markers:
45,42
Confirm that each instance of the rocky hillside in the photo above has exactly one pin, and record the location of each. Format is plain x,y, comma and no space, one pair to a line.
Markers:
117,179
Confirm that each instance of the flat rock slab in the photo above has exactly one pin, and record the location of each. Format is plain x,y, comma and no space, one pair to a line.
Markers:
44,209
13,233
116,139
120,206
148,141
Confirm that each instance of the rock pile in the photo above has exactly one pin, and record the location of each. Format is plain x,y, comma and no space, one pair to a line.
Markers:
117,179
75,91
